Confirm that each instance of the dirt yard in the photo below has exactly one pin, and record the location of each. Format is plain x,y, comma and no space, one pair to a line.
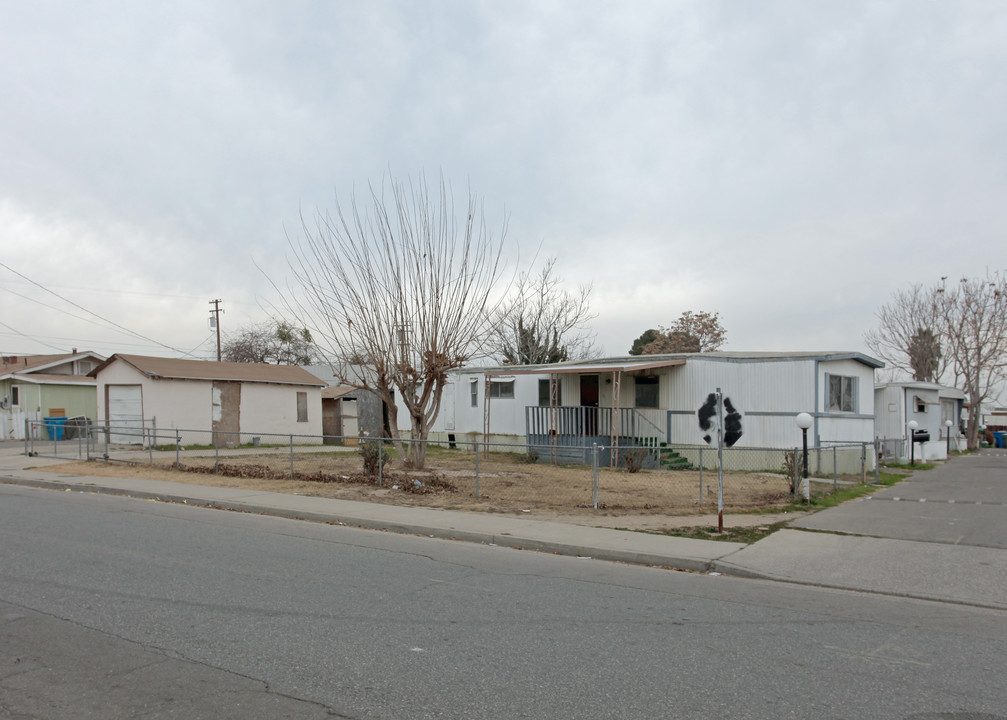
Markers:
505,484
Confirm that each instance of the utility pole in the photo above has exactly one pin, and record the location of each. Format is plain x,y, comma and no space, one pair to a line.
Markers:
215,321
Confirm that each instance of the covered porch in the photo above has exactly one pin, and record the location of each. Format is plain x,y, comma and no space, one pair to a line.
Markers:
604,414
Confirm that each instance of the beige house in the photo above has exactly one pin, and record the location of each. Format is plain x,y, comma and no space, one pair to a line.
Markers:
204,402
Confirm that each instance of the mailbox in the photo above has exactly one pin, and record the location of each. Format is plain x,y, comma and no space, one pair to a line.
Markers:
921,436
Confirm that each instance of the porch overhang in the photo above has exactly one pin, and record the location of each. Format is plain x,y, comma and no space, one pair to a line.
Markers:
586,368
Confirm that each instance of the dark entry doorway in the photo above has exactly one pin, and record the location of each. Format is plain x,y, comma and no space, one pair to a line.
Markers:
589,404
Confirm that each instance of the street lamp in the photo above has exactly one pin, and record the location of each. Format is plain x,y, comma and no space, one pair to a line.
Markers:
912,441
804,421
948,424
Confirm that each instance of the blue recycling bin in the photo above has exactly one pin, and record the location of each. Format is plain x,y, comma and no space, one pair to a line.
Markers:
54,426
1000,439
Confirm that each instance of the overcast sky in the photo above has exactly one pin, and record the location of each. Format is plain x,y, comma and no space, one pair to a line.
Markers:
786,164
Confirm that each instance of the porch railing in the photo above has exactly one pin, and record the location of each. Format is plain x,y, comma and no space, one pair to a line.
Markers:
590,422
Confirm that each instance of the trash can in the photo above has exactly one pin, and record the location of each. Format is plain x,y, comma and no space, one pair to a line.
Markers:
1000,439
54,426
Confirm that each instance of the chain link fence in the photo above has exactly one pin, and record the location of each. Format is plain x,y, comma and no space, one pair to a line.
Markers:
492,476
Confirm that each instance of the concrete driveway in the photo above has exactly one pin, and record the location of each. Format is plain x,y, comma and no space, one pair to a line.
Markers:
963,502
941,535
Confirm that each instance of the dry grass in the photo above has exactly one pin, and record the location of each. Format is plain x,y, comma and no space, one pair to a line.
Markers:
505,482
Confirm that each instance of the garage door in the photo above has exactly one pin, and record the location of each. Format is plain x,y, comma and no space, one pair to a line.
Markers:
125,414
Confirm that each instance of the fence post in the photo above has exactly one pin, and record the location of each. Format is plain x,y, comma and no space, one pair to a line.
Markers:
877,464
835,470
178,441
863,463
700,474
381,464
216,454
291,457
477,471
594,471
27,452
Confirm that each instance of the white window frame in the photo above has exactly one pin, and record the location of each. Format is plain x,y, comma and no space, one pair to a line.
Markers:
15,396
848,389
501,389
474,392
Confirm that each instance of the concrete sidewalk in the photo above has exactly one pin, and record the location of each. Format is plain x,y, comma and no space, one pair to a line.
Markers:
924,570
555,537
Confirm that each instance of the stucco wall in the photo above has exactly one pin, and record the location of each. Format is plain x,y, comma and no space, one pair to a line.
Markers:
188,405
267,409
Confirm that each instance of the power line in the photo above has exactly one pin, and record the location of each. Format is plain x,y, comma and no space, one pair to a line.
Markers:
80,307
57,309
21,334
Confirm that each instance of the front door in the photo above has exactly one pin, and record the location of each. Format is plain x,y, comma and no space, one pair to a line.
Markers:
332,421
589,404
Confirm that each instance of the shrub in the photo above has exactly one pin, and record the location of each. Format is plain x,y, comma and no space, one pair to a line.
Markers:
633,459
371,453
792,468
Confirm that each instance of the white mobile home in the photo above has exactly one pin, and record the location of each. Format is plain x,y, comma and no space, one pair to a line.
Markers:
930,406
666,398
226,403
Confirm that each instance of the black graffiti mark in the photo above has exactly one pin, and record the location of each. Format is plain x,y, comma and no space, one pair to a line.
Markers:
732,424
708,420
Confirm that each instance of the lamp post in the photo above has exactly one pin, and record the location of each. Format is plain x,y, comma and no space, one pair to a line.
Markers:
912,441
804,421
947,435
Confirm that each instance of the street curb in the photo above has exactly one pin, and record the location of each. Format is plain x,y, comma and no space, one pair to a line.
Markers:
510,540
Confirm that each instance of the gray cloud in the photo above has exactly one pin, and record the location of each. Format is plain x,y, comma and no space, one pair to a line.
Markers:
788,164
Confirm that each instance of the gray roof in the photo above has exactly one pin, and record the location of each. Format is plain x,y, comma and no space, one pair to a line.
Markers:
642,362
177,369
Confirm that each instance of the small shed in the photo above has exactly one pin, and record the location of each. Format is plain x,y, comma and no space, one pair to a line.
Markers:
206,402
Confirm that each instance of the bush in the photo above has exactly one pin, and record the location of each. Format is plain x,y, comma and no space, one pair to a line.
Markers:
371,453
791,468
633,459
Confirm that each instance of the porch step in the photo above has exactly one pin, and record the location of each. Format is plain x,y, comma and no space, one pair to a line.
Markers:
671,460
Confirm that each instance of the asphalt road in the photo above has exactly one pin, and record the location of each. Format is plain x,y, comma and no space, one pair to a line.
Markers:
171,600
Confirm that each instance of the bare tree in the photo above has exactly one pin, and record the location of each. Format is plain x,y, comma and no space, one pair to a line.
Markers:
955,334
542,322
691,332
904,325
403,285
276,341
975,337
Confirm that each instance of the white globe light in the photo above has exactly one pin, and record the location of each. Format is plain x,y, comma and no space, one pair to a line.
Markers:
913,424
804,420
948,423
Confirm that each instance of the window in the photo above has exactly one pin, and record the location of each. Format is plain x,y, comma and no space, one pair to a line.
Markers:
502,389
15,395
474,392
920,404
543,393
842,393
302,407
647,395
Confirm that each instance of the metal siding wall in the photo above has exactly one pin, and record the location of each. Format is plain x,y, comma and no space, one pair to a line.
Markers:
770,386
